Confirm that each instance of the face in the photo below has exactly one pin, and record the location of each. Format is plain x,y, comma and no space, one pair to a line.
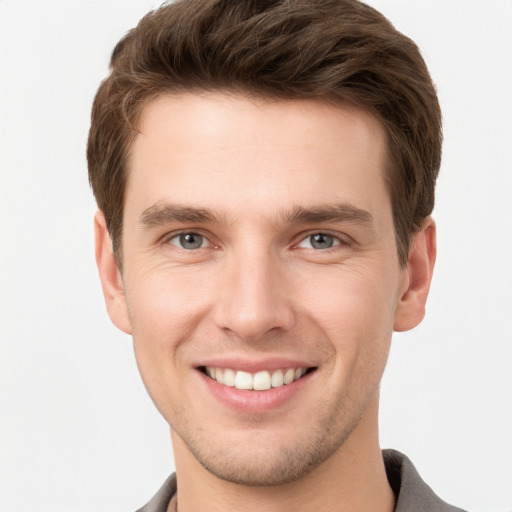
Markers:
260,277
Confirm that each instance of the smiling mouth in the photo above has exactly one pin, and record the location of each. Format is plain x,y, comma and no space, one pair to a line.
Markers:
258,381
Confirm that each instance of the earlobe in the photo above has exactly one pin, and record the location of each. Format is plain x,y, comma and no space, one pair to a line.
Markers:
422,255
110,276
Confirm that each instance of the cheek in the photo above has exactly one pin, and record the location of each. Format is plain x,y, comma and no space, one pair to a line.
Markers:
163,303
355,312
165,309
352,304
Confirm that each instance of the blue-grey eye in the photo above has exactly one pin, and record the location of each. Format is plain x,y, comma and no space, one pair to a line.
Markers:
319,241
189,241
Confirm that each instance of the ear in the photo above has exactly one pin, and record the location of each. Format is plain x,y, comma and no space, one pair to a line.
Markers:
110,276
422,256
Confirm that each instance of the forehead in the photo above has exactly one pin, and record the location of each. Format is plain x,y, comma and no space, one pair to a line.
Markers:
227,119
231,152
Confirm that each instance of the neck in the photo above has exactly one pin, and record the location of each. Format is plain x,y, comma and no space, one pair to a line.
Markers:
353,478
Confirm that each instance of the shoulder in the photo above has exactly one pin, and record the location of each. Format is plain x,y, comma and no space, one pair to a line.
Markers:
161,499
412,493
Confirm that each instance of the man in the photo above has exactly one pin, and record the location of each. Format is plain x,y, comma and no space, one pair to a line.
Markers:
265,175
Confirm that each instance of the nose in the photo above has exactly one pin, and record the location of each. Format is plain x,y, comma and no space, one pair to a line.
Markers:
254,297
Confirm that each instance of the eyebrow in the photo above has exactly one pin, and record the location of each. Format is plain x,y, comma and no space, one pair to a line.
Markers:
165,213
330,213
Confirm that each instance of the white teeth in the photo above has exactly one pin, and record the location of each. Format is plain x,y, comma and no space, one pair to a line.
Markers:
259,381
299,372
243,380
219,375
289,376
229,377
277,379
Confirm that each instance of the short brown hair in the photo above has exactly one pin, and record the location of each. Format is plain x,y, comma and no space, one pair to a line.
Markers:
277,49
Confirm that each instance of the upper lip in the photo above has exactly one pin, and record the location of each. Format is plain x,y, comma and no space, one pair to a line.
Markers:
254,365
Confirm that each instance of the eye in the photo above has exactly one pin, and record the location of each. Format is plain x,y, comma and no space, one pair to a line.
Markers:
319,241
189,241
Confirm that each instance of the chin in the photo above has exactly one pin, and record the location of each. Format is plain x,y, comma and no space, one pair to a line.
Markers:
261,460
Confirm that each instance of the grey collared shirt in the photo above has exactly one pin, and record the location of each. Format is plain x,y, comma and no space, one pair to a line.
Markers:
412,493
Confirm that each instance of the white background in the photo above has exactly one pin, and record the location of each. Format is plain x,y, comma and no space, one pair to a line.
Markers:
77,432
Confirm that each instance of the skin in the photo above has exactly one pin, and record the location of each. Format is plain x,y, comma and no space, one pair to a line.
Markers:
257,290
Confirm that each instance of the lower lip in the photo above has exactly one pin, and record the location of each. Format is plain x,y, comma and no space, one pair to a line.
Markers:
255,401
